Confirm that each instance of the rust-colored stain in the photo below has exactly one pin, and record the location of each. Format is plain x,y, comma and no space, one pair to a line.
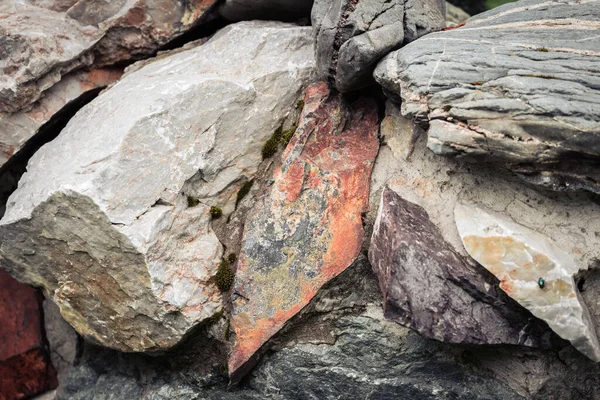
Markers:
25,369
308,229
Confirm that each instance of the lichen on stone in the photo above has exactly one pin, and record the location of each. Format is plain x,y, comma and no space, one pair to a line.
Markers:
272,145
244,190
224,276
192,201
216,212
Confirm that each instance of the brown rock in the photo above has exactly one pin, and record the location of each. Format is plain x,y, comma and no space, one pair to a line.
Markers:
307,229
25,368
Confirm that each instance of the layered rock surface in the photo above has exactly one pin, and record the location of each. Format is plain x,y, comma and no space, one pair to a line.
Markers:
532,270
429,287
307,229
25,368
109,232
353,35
516,86
44,40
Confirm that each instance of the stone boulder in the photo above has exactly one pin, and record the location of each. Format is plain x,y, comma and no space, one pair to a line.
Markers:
428,287
353,35
516,86
281,10
307,228
118,233
42,40
532,270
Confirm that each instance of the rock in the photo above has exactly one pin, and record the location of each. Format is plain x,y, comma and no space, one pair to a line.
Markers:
353,35
63,341
24,366
455,15
60,36
281,10
19,127
189,124
431,289
307,229
516,86
532,270
470,6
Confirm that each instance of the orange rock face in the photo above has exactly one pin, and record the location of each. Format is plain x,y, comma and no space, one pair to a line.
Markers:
25,368
308,228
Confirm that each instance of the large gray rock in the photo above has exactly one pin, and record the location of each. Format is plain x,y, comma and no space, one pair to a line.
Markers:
429,287
42,40
281,10
353,35
109,231
516,86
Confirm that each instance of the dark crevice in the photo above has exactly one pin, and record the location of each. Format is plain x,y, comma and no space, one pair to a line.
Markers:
12,171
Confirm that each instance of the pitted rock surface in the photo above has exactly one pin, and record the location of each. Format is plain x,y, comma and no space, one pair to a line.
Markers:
42,40
516,86
532,270
108,231
353,35
307,229
430,288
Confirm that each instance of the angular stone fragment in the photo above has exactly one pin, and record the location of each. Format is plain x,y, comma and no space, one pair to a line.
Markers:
353,35
25,368
281,10
102,221
516,86
43,40
17,128
532,270
430,288
307,229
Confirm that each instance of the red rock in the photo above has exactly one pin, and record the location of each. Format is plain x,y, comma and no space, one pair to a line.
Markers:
308,228
25,369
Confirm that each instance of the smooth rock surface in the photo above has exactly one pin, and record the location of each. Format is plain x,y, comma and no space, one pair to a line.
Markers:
353,35
189,124
281,10
430,288
307,229
516,86
25,368
42,40
532,270
17,128
455,15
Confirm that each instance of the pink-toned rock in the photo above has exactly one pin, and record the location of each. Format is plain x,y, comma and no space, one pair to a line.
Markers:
307,229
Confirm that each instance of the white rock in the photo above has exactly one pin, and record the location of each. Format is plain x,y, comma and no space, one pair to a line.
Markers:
101,220
519,257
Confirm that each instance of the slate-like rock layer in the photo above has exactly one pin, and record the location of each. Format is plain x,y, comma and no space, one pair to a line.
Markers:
532,270
516,86
43,40
353,35
430,288
102,221
307,229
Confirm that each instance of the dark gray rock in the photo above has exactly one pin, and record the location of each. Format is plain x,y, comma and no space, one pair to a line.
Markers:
280,10
430,288
516,86
353,35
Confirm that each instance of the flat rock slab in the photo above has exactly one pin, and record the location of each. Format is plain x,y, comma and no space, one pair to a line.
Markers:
307,229
44,40
430,288
532,270
108,231
516,86
353,35
25,368
17,128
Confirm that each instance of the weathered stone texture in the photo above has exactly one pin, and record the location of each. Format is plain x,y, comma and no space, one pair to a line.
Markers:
430,288
307,229
43,40
353,35
532,270
516,86
189,124
25,368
